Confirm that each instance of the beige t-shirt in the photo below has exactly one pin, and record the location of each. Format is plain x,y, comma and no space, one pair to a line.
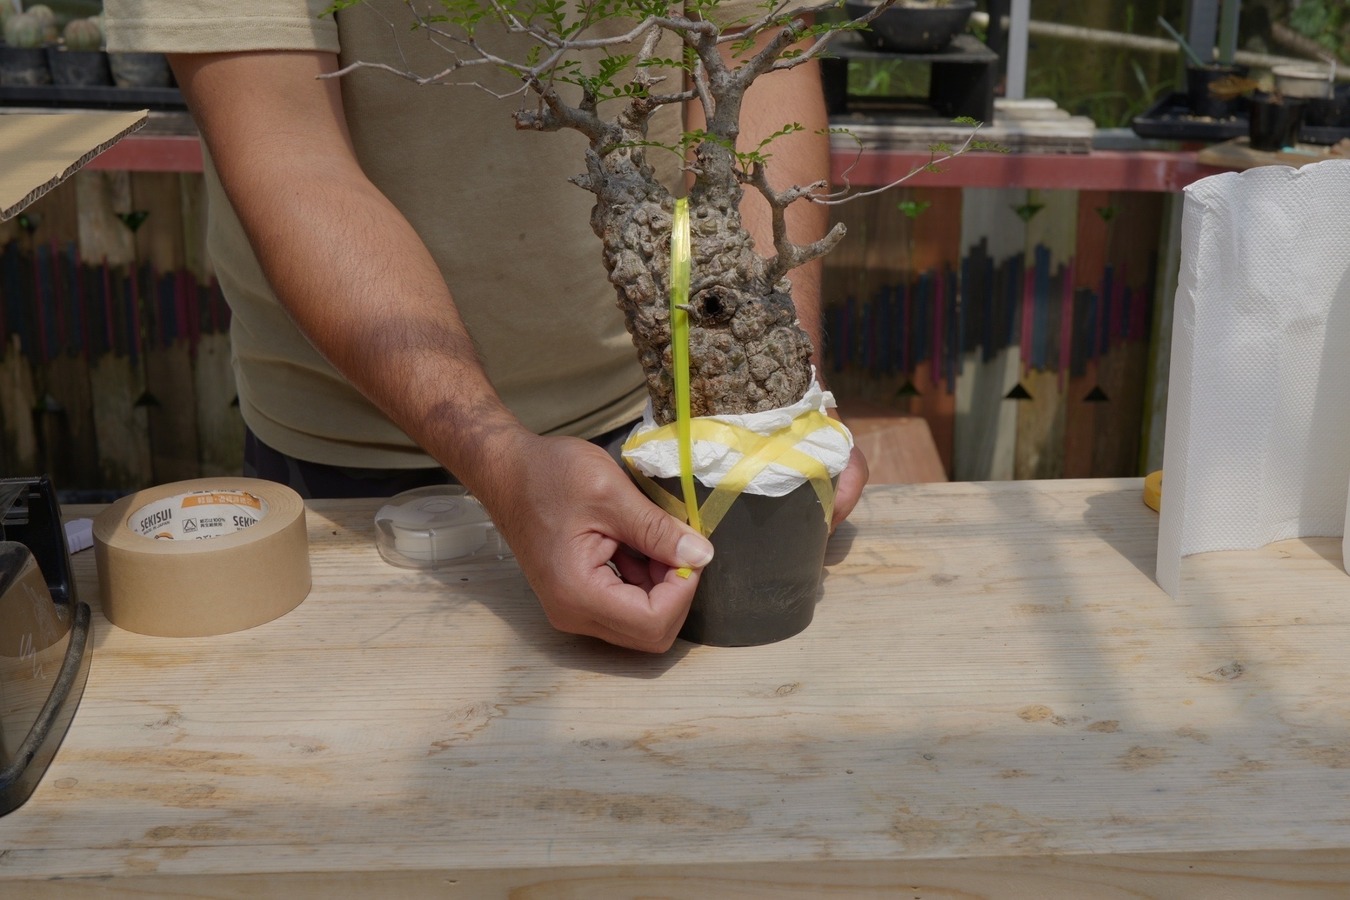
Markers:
493,204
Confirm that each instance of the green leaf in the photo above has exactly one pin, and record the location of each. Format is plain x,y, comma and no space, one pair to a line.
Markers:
913,208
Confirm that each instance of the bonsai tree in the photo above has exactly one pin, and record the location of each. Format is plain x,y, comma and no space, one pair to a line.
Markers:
747,350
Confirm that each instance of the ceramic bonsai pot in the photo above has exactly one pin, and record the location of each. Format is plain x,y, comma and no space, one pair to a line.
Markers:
1303,81
914,26
764,580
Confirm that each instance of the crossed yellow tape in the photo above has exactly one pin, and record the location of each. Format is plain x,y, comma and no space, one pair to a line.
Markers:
757,452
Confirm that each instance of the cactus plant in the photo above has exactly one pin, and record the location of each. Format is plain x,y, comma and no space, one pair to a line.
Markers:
25,30
44,14
82,34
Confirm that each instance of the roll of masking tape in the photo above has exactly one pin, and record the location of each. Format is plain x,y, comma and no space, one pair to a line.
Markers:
202,557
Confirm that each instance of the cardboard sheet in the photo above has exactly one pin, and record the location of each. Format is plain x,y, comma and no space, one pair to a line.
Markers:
39,151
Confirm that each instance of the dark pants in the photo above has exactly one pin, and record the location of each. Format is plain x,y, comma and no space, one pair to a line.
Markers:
314,481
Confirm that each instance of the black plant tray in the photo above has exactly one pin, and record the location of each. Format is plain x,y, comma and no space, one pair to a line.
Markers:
54,96
1170,119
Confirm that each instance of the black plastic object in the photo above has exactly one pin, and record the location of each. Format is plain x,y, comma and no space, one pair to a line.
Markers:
24,66
57,96
78,68
764,580
44,637
913,29
961,81
1171,118
1203,101
1274,125
1327,119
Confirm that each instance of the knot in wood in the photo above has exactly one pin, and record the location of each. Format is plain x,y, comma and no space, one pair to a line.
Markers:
714,306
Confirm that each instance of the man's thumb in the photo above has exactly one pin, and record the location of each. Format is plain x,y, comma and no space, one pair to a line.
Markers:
660,536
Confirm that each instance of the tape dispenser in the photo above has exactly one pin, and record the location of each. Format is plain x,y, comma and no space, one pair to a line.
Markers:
436,527
44,636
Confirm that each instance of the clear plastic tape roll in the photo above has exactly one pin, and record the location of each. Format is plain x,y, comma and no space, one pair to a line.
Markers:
202,557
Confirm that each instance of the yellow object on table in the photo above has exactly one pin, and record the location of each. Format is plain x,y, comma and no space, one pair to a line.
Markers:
1153,490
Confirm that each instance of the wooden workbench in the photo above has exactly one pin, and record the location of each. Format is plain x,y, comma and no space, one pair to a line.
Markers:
995,699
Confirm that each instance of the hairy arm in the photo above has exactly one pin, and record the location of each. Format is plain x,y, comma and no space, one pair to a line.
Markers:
359,283
343,261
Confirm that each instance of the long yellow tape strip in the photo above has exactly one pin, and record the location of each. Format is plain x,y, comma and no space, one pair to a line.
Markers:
680,265
679,343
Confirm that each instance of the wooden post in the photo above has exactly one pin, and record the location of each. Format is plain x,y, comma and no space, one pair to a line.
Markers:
986,421
107,246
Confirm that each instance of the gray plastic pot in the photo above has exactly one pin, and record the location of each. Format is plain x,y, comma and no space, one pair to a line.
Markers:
764,580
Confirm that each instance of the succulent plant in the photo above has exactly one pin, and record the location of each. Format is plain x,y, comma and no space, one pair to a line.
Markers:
43,13
25,30
82,34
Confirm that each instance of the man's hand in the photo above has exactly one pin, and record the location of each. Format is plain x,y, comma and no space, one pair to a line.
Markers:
848,490
568,513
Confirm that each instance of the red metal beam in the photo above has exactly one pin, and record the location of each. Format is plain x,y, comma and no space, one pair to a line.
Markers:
152,153
1100,170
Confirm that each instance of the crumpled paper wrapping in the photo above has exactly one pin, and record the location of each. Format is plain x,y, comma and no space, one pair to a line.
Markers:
712,461
1258,403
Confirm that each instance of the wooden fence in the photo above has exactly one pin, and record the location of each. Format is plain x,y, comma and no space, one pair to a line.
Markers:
115,365
1019,323
1016,322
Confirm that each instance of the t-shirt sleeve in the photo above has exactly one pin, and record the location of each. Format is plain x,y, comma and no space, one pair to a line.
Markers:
218,26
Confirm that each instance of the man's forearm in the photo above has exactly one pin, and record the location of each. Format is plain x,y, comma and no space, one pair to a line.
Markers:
772,102
343,261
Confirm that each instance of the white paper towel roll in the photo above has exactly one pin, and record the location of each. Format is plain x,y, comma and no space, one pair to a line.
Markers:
1258,402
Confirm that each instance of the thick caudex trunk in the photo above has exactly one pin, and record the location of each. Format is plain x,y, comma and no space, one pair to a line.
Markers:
747,352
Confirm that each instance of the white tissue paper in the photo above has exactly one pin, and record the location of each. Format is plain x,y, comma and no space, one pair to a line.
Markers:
1258,402
712,461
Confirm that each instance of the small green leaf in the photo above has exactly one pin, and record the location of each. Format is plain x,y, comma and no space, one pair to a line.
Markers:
913,208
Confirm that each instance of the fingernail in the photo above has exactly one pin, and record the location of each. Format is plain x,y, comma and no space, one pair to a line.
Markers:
694,551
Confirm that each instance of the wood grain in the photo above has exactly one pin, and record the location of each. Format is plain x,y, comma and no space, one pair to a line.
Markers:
994,700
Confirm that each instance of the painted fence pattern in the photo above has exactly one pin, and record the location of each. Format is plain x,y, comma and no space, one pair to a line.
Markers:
1018,323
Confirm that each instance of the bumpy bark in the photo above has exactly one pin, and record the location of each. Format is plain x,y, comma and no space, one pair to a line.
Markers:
746,349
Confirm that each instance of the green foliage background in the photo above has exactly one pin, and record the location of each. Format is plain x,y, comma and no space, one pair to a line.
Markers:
1112,85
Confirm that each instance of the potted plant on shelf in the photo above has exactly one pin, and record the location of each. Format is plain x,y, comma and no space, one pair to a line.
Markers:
1274,120
23,57
913,26
1214,86
749,375
79,60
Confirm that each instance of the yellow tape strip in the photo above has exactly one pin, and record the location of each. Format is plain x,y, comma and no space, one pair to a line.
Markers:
679,345
757,451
